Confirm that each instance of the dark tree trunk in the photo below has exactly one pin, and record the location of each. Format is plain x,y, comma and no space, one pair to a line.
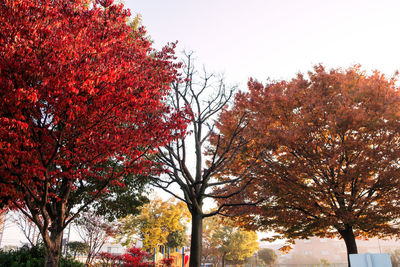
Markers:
53,249
350,240
196,241
223,260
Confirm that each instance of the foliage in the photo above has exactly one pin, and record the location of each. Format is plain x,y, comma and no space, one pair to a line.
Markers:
107,259
77,247
136,22
120,201
268,256
79,87
167,262
176,239
32,257
157,220
327,151
134,257
210,252
325,263
95,231
234,244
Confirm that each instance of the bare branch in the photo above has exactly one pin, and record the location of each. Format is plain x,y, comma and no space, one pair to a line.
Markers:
206,95
218,211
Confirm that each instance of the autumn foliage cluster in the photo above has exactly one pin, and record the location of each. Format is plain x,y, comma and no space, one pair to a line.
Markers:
134,257
159,223
223,242
326,149
78,86
82,103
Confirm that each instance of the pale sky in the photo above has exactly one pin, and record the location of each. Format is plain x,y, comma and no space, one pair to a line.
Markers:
277,38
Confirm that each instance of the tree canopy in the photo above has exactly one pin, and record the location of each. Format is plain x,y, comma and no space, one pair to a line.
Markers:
79,87
222,241
328,150
77,247
210,251
119,201
268,256
159,223
234,244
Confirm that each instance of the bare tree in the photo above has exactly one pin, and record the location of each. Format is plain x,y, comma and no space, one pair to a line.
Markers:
192,163
95,231
28,228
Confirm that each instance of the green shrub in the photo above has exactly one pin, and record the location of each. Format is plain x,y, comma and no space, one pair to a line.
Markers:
32,257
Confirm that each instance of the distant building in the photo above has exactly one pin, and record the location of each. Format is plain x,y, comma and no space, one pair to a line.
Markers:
113,248
311,251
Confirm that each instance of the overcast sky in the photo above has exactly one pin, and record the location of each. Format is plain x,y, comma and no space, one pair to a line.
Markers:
277,38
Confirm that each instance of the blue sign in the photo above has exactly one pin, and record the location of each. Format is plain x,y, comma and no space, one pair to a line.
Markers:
370,260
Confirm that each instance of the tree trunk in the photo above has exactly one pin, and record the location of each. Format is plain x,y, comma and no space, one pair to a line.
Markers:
53,249
223,259
350,240
196,241
88,259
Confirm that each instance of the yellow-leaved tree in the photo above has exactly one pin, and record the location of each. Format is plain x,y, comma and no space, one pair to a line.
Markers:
234,244
159,223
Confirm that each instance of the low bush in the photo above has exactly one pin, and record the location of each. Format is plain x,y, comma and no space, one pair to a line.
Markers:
32,257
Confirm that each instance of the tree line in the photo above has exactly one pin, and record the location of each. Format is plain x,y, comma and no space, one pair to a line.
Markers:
90,113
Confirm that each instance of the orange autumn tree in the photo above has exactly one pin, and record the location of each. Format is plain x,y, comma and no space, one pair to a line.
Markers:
328,153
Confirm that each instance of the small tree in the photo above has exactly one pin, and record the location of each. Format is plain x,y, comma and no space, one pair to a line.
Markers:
325,263
268,256
77,247
176,238
234,244
158,221
210,252
95,231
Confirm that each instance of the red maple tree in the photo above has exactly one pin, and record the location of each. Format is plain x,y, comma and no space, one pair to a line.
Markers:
327,149
82,104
